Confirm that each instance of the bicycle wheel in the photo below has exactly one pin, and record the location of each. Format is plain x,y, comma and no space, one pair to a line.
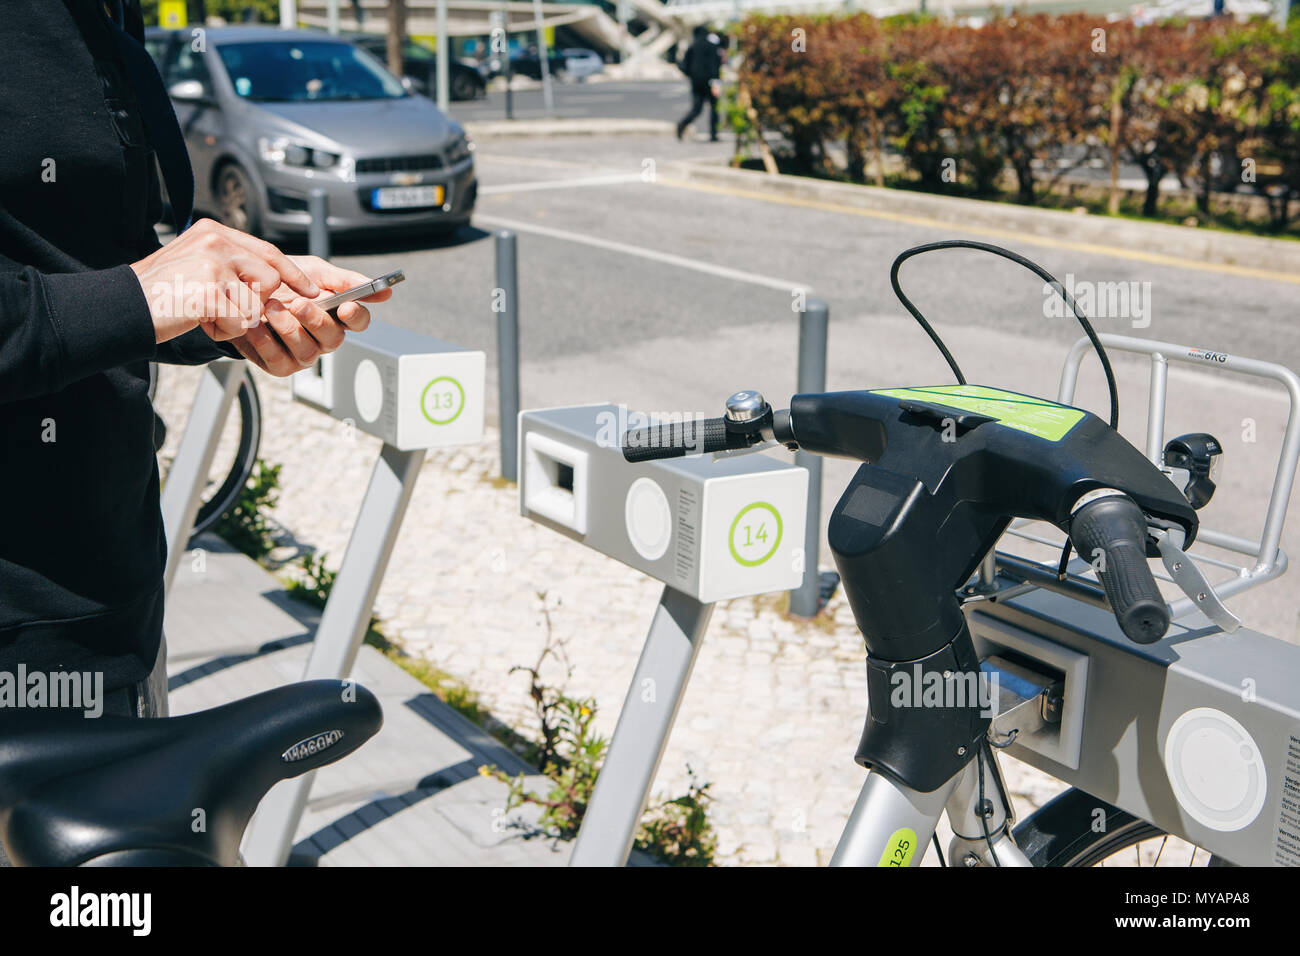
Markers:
220,498
1077,829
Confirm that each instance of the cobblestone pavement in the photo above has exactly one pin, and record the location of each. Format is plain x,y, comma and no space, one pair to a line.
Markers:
775,706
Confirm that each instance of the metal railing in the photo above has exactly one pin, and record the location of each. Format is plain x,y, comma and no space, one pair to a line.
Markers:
1267,559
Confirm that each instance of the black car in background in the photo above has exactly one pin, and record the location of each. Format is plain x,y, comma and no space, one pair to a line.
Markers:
420,65
528,63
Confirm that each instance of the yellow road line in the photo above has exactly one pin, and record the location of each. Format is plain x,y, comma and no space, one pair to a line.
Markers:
1006,234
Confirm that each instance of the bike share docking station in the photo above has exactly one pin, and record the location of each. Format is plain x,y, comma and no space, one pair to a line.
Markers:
710,529
412,392
1198,733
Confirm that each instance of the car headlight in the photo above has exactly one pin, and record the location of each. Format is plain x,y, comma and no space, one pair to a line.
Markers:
460,150
283,152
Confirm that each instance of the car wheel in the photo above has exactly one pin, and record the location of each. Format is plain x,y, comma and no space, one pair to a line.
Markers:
463,87
237,201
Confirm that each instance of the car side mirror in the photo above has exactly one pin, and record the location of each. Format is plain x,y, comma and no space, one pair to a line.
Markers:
188,91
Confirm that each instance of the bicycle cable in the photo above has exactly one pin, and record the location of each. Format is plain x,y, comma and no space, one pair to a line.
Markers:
984,817
934,838
1042,274
1019,260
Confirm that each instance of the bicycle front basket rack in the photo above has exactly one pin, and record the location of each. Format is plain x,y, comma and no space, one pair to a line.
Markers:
1265,558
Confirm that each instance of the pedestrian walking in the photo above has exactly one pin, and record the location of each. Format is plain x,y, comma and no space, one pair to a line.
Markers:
702,64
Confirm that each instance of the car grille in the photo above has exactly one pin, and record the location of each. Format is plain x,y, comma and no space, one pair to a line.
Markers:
399,164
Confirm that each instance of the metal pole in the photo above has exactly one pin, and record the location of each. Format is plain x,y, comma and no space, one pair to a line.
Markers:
342,627
288,14
508,352
1283,12
318,236
543,58
332,16
188,475
443,66
609,826
805,600
510,103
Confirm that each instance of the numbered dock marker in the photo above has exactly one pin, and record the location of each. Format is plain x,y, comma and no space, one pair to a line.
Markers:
443,400
755,534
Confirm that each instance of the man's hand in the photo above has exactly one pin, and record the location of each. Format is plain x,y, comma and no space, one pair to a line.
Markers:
227,282
304,331
217,278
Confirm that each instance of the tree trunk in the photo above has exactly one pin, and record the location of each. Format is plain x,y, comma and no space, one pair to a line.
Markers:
1207,184
1155,171
878,153
1116,119
396,35
855,145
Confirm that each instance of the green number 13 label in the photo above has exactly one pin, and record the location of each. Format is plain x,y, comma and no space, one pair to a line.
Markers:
443,400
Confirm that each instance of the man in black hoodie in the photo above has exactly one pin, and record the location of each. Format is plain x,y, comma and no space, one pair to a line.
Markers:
85,305
702,64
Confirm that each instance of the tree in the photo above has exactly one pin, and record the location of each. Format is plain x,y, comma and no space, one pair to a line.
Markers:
1273,118
396,35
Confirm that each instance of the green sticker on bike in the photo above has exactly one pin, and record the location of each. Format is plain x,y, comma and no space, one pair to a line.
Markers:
900,848
1036,416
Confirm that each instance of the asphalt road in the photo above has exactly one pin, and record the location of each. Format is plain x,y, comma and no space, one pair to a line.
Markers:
585,99
668,296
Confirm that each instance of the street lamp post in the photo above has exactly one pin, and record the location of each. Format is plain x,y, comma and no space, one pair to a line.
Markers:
444,58
548,97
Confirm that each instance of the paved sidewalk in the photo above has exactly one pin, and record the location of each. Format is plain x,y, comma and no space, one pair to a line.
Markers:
412,795
775,706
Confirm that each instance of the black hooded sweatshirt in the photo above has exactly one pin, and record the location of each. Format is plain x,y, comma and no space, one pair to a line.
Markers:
81,540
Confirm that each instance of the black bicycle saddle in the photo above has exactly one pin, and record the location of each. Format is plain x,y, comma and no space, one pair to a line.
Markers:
171,791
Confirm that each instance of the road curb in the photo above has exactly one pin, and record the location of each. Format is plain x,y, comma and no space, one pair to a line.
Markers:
500,129
1201,245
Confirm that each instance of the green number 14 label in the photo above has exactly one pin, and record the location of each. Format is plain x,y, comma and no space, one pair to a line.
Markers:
755,534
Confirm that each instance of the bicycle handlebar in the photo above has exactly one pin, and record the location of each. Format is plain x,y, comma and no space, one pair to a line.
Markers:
925,439
677,439
1110,532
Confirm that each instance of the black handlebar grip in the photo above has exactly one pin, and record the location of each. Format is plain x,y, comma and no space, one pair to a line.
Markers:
1110,533
701,436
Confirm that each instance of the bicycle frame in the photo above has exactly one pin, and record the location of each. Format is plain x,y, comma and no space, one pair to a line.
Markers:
891,825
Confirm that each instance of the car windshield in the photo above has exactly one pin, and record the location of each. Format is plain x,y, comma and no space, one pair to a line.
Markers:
306,71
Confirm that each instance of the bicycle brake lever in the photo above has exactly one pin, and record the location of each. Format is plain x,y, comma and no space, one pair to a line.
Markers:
1192,582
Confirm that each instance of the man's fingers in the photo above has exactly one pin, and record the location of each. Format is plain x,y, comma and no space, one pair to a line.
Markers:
232,317
354,315
334,278
327,332
328,276
259,277
271,354
300,343
288,271
250,353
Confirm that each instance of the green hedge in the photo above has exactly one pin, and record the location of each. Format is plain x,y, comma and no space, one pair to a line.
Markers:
1215,102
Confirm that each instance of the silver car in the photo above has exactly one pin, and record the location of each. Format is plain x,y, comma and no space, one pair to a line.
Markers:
270,114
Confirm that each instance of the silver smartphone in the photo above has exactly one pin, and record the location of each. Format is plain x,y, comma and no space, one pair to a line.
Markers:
331,303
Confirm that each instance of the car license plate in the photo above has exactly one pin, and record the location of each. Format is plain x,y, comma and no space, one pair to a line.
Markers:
406,197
